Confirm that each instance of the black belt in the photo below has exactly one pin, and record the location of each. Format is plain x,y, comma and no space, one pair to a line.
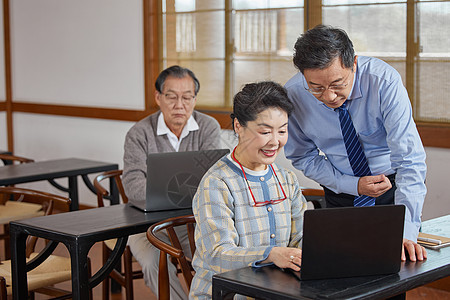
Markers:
391,177
336,200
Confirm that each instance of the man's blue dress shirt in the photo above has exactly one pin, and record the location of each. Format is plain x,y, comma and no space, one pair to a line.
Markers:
381,112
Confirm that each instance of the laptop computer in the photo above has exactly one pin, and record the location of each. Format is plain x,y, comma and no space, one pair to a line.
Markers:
173,178
352,241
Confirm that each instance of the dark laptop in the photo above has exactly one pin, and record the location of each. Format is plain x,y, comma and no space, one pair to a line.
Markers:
352,241
173,177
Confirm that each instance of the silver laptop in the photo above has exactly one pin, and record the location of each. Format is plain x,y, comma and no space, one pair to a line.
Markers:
352,241
173,177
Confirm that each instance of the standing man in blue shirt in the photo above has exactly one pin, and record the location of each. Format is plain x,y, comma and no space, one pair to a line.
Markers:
332,77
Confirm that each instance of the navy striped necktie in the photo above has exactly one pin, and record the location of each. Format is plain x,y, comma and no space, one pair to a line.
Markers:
356,156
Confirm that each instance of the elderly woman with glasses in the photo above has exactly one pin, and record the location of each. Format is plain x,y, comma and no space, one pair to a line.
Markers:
249,212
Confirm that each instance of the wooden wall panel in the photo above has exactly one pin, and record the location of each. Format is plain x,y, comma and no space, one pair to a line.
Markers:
8,92
435,135
80,111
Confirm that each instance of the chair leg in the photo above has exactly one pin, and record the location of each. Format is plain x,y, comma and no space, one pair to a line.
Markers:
6,243
105,285
127,259
2,288
163,278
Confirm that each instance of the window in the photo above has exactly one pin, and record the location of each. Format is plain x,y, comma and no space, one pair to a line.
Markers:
433,61
204,21
228,43
410,36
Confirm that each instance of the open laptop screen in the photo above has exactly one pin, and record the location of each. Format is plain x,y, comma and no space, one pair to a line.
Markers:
352,241
173,177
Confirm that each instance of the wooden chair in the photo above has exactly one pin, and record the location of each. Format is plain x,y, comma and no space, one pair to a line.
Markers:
174,250
54,269
126,277
9,159
316,196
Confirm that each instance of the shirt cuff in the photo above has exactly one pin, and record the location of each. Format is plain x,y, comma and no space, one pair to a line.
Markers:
411,231
258,264
348,184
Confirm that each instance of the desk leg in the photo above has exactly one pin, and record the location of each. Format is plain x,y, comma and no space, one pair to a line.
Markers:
398,297
80,269
116,288
114,194
18,263
73,192
220,291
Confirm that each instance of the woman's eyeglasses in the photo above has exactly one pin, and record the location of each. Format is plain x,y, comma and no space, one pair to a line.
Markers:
263,203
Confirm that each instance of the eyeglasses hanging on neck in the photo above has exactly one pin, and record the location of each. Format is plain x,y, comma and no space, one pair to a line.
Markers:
265,202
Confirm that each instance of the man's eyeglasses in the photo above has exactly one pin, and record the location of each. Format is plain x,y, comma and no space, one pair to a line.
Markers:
263,203
172,98
334,87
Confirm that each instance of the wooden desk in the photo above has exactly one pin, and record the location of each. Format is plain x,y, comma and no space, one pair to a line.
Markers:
59,168
79,231
273,283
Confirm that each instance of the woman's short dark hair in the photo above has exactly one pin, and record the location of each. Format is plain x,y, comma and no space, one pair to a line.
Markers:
257,97
318,47
178,72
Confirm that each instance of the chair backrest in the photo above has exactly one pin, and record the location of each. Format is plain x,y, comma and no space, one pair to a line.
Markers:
11,159
316,196
174,249
102,192
47,200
